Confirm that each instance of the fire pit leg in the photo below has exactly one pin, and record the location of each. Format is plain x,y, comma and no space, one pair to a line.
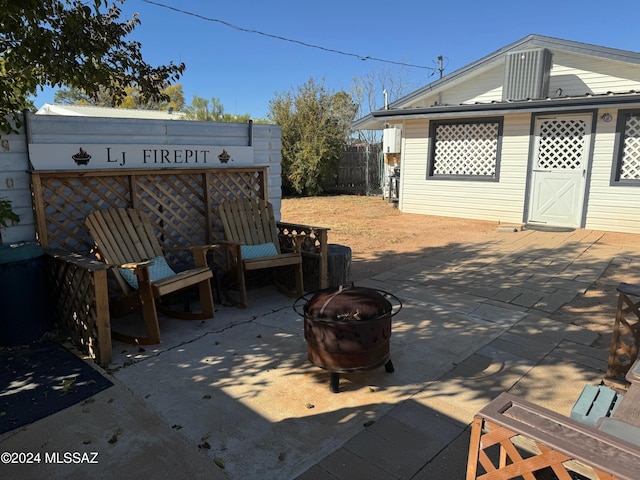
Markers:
389,366
334,382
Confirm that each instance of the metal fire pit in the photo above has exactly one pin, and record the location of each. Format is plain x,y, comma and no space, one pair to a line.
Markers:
347,329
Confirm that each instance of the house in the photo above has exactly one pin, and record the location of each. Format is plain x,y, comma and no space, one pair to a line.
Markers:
107,112
542,132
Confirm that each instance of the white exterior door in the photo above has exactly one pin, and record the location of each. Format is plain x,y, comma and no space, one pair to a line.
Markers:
558,174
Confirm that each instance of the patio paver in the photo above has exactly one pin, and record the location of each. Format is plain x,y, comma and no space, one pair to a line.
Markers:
238,389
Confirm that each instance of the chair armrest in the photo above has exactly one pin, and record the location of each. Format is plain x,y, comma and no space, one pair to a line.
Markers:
133,266
233,248
141,271
227,243
199,253
191,247
208,247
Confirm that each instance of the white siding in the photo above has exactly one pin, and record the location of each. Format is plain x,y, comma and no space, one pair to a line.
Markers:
579,75
500,201
610,207
485,87
15,186
15,182
572,73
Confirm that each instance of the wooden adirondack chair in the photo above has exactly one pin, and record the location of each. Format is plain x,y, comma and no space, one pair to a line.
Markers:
253,244
126,239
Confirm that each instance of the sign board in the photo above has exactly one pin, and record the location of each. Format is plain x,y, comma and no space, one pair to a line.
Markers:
121,156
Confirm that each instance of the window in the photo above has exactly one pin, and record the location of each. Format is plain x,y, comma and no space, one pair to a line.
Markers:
627,168
465,150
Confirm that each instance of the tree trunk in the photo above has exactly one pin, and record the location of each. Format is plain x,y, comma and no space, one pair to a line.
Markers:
338,265
338,268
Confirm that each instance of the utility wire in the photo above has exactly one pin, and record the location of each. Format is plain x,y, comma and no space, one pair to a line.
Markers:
278,37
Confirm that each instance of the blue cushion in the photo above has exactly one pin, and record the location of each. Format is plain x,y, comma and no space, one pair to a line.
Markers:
159,270
258,251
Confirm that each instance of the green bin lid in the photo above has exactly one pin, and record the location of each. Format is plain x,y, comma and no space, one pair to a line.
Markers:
16,252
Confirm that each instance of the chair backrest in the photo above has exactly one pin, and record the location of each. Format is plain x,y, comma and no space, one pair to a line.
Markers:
123,235
249,221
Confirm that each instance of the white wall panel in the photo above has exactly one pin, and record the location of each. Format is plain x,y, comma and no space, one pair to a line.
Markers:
500,201
49,129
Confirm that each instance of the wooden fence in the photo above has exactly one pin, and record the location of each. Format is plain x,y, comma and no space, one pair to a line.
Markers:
359,171
180,202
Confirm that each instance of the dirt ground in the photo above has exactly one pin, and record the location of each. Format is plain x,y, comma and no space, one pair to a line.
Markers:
379,236
377,232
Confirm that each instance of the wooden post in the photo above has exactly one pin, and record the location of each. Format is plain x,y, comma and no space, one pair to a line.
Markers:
103,319
324,278
38,206
474,448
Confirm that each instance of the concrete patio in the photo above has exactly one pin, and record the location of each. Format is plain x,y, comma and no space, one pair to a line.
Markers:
235,396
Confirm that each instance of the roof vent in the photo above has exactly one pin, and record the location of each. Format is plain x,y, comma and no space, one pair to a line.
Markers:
526,74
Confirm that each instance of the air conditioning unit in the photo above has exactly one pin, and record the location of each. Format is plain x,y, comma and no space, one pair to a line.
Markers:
526,74
391,140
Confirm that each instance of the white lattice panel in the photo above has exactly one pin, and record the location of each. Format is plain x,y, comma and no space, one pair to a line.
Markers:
561,144
466,149
630,164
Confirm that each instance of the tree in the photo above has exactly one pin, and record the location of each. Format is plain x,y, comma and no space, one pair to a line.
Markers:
315,128
76,96
133,99
77,43
212,110
173,98
367,94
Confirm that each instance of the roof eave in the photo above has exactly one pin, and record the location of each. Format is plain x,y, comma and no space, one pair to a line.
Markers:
503,108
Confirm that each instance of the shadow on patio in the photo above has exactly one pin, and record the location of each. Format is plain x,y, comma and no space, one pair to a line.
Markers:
476,322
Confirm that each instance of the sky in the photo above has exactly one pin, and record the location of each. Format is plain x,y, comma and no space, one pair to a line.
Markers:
246,70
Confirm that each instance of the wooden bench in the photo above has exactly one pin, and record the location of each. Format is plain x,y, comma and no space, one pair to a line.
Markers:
512,438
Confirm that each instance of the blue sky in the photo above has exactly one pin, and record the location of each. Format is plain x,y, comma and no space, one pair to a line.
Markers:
245,70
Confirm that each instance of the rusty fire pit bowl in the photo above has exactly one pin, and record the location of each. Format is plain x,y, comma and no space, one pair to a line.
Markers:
348,329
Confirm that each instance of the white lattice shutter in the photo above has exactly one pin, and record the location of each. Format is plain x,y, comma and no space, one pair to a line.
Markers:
466,149
630,163
561,144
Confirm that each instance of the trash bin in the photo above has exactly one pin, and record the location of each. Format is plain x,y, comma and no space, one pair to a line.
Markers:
25,304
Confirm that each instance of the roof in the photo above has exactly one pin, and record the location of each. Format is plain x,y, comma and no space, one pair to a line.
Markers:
397,109
107,112
496,108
